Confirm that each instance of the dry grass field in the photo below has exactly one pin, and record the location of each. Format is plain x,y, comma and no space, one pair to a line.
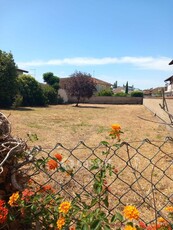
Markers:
68,124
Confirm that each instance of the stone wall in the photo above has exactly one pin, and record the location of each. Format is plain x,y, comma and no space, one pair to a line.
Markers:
110,100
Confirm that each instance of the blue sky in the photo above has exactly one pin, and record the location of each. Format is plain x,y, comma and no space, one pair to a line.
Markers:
113,40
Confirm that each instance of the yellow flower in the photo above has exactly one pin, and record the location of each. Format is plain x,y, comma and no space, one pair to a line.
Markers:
60,222
13,198
131,212
169,209
129,227
64,207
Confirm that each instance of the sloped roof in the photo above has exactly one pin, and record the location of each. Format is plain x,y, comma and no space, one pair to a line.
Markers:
22,70
171,63
169,79
97,81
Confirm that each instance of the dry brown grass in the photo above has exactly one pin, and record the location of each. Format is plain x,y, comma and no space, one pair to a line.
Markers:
67,124
90,123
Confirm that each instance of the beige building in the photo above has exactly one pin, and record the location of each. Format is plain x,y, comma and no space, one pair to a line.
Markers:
100,85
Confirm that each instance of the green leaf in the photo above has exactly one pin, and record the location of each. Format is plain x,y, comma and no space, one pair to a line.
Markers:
105,153
96,225
94,167
117,146
130,223
119,217
94,201
106,202
107,227
85,227
97,188
104,143
113,219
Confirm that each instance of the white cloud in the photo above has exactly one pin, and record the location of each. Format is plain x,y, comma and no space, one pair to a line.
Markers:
159,63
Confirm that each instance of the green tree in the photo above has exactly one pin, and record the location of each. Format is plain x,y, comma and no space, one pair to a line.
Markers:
115,85
31,91
8,76
127,88
51,80
81,85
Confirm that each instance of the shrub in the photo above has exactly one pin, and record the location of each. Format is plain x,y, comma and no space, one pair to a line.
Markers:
50,94
136,94
17,101
105,92
121,94
31,91
60,100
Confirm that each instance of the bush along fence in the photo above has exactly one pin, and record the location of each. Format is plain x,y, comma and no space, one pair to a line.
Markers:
110,186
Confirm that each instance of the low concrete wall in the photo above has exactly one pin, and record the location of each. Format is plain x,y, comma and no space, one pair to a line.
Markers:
153,104
110,100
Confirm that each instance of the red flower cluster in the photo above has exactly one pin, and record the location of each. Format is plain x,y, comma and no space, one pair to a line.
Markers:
26,194
46,188
3,212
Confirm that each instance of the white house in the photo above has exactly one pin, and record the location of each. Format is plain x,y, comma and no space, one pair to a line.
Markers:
169,86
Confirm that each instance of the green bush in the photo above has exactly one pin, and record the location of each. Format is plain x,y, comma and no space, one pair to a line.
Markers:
121,94
136,94
105,92
50,94
31,91
17,101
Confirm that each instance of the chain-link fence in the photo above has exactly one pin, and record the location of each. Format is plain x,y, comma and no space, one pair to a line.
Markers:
141,174
138,173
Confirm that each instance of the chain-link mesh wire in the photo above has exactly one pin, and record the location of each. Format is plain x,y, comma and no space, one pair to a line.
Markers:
142,174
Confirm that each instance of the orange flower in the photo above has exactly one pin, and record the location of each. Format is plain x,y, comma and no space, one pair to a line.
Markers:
58,156
169,209
60,222
47,188
129,227
131,212
115,132
161,220
116,127
52,164
64,207
13,198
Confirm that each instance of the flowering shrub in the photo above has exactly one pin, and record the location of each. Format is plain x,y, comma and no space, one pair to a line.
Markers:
40,207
